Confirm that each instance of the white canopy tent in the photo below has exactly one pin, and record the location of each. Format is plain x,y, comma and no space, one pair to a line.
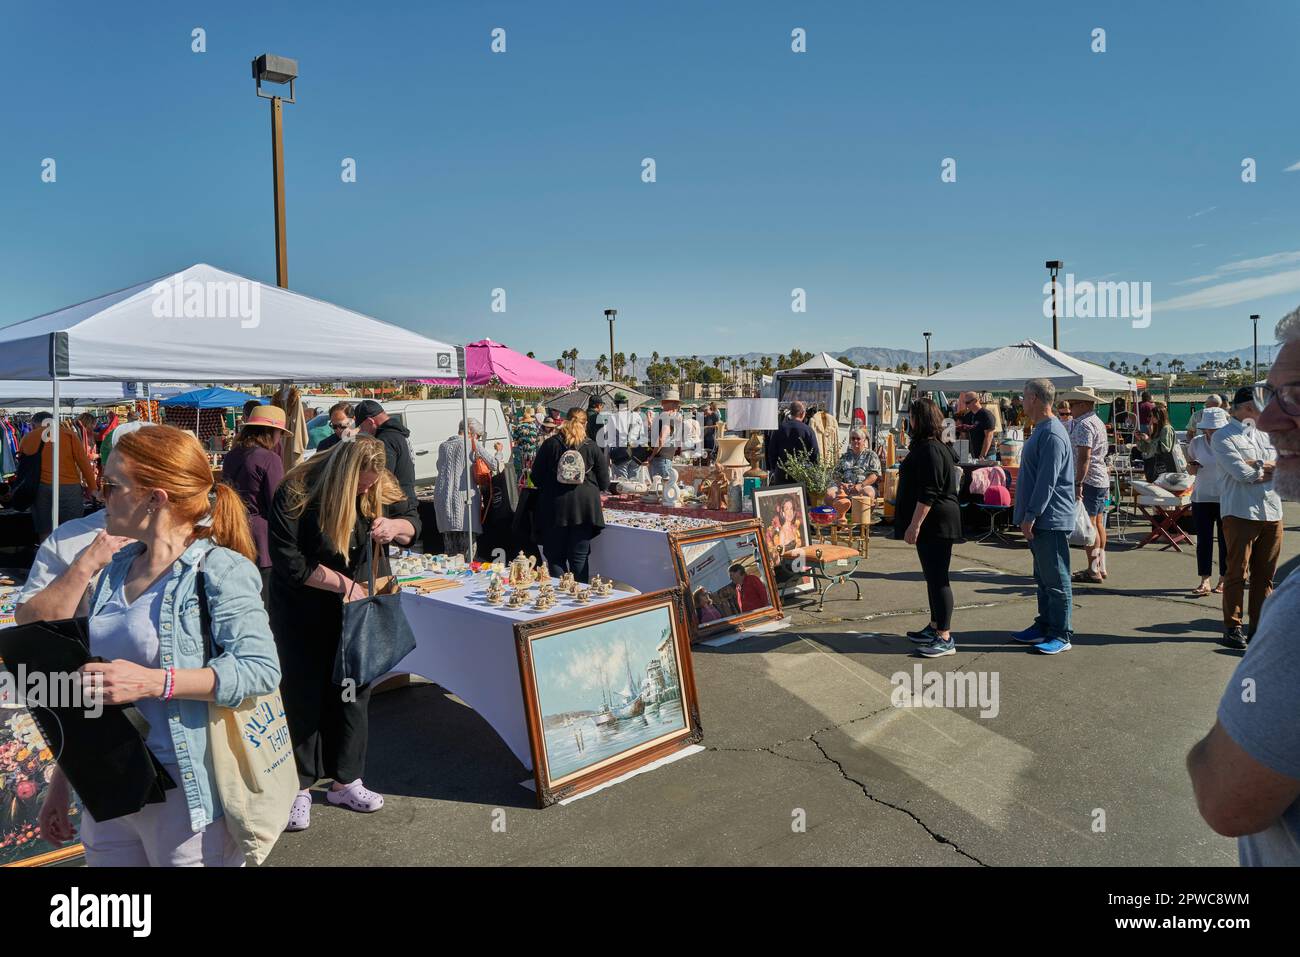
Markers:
205,324
1012,366
823,360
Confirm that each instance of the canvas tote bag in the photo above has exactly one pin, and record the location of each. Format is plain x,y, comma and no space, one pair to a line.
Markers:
254,773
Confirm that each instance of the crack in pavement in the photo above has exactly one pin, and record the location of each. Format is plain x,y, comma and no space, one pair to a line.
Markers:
807,737
939,838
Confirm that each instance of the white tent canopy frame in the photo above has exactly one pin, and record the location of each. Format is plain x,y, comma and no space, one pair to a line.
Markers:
206,324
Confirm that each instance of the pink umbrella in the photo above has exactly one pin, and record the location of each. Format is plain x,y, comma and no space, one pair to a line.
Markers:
491,363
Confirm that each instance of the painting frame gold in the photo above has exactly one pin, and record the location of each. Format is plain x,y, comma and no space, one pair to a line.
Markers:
695,536
552,789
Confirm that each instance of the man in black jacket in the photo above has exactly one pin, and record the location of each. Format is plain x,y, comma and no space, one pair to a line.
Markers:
793,436
373,420
340,425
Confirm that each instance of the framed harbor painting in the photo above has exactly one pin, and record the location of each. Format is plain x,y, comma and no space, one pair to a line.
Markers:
728,577
607,690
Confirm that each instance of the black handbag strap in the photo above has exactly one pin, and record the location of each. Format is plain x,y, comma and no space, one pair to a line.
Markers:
205,613
370,561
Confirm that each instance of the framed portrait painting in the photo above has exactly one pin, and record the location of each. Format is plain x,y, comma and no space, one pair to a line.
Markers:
607,689
728,577
782,511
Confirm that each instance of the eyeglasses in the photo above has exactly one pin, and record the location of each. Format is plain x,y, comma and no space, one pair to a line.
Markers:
1288,397
338,426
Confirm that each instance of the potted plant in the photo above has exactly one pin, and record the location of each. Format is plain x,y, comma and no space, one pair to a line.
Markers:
809,471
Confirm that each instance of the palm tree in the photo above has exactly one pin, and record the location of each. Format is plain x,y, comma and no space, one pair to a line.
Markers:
602,366
632,358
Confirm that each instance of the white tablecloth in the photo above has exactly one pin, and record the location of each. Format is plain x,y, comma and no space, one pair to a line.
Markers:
468,647
638,556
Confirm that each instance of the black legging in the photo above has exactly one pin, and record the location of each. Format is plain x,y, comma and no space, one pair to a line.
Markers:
1206,516
935,558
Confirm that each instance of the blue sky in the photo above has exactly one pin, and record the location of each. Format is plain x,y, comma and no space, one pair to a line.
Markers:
775,170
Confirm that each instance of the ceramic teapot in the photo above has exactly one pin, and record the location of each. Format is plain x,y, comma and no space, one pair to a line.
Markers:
523,569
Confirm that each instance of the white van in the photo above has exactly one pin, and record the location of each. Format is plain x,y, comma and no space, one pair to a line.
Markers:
433,421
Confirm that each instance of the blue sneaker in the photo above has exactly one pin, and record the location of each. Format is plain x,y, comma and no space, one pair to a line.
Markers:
1031,635
1053,646
925,636
938,648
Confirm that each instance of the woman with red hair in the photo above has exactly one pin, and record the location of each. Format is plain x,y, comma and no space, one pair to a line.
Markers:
144,625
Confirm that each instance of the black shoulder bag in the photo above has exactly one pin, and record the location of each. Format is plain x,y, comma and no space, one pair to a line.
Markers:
376,635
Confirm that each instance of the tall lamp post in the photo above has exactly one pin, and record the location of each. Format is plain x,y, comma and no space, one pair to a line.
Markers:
1053,267
277,69
927,351
611,315
1254,353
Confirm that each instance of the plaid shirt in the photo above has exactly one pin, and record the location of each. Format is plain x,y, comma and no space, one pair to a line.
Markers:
854,467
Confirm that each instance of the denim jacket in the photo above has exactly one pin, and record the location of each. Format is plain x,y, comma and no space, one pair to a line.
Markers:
248,663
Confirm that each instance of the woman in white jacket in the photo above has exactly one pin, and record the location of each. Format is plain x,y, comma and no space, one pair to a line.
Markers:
1205,500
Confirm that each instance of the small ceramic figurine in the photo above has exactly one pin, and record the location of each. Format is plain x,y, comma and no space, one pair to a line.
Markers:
606,588
496,592
583,596
596,584
566,580
518,598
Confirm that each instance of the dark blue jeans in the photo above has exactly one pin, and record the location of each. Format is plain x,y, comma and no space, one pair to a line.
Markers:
1052,574
568,548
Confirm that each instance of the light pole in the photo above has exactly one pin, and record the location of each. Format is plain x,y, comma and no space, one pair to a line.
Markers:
1054,266
277,69
927,351
611,315
1254,354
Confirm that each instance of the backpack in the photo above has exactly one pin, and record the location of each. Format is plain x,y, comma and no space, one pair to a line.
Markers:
571,469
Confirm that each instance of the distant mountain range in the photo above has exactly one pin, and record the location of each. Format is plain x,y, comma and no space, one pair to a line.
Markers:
891,358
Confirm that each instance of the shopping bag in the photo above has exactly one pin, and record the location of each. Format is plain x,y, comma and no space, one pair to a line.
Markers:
1083,533
376,635
253,769
1179,458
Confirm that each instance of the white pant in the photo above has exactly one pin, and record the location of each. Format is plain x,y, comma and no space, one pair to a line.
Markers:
159,835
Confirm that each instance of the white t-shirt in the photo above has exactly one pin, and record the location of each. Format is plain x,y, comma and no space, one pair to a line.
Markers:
1209,479
59,551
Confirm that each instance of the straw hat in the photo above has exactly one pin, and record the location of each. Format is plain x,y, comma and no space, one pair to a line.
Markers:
268,416
671,395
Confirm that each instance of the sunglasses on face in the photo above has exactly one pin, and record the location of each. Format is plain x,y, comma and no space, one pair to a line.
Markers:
108,488
339,426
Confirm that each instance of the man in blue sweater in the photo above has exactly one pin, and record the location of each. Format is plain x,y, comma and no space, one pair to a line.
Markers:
1045,513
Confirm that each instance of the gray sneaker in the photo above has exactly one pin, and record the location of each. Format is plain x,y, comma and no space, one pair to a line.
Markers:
938,648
